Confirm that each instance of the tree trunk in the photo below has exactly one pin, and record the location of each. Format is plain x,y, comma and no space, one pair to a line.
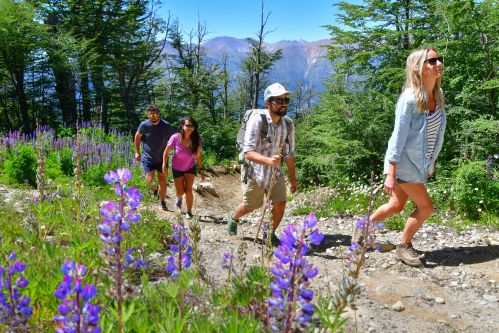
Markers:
23,102
86,114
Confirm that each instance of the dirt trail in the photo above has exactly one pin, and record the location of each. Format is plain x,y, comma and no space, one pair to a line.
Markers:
457,291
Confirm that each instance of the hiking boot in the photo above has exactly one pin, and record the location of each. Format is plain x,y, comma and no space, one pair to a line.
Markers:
407,254
232,226
163,205
275,240
155,192
178,203
188,216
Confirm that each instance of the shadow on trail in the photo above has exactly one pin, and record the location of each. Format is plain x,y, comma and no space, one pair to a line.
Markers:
259,241
331,241
461,255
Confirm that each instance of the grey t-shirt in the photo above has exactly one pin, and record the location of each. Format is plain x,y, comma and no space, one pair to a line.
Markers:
154,139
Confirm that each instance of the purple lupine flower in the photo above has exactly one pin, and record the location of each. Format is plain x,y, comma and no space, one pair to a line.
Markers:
76,313
15,309
290,306
181,251
368,229
227,260
117,219
228,264
141,262
120,176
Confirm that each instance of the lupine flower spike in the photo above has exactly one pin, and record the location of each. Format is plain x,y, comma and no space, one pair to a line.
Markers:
290,307
228,264
15,309
181,251
118,218
76,313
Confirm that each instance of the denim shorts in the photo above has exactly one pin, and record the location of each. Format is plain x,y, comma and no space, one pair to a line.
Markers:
177,173
150,166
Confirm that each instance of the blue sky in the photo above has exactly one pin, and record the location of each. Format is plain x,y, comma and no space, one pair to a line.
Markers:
290,19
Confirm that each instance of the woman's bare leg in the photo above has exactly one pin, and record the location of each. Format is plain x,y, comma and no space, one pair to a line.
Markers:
189,180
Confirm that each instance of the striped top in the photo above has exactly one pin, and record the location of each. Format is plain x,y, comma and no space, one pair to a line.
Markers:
277,133
433,122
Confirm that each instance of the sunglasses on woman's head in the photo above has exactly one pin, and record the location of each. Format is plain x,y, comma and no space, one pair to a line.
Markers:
280,100
433,61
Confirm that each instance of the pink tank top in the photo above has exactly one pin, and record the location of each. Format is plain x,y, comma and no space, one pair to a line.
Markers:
183,159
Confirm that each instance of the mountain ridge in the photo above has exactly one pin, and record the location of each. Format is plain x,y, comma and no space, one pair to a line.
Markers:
303,63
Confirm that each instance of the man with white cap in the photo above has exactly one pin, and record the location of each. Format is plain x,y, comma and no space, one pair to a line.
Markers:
263,157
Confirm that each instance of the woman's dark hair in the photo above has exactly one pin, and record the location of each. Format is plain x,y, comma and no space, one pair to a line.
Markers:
195,139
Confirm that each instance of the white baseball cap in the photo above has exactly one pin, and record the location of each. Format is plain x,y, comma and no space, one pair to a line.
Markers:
275,89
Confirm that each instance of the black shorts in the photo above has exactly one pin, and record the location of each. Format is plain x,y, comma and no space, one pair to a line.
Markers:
177,173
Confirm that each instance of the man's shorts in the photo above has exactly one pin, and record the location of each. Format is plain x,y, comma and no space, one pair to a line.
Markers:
150,166
177,173
253,194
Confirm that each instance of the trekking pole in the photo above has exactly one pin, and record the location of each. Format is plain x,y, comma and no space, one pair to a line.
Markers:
267,196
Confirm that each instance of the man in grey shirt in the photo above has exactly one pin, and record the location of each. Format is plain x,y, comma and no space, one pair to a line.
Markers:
263,157
154,134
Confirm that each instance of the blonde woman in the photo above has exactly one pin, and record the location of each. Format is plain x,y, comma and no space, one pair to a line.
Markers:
415,143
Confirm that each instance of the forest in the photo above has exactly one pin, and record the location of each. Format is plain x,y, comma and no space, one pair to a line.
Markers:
75,80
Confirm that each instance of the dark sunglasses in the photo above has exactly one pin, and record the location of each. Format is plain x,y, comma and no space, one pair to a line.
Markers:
189,126
433,61
280,100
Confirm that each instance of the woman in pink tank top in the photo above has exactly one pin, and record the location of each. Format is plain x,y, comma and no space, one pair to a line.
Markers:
186,146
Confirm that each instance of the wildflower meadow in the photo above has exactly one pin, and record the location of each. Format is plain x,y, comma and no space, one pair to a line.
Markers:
75,256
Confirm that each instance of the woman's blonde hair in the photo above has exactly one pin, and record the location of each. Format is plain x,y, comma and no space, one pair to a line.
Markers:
413,80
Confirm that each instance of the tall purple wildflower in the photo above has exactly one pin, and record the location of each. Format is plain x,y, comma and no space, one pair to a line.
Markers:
14,306
76,313
228,264
181,251
290,307
117,218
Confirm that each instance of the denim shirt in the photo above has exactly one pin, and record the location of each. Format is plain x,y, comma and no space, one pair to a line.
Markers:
408,144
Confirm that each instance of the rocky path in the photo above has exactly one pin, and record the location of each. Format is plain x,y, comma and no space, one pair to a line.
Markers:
456,291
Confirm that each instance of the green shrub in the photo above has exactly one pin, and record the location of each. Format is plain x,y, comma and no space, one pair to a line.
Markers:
94,175
478,138
474,192
66,161
52,166
20,166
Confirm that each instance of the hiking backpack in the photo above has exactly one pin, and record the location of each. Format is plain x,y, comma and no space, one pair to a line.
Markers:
263,130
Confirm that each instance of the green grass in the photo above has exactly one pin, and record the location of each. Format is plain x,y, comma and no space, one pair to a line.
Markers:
354,200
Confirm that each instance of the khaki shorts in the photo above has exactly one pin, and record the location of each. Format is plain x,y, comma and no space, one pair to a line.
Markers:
253,194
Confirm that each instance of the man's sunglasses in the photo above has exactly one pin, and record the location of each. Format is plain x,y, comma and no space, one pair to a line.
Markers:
433,61
280,100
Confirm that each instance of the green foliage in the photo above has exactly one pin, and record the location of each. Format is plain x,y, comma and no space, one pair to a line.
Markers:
94,175
469,31
20,165
478,138
328,317
66,163
345,136
475,191
377,38
251,287
52,166
219,139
